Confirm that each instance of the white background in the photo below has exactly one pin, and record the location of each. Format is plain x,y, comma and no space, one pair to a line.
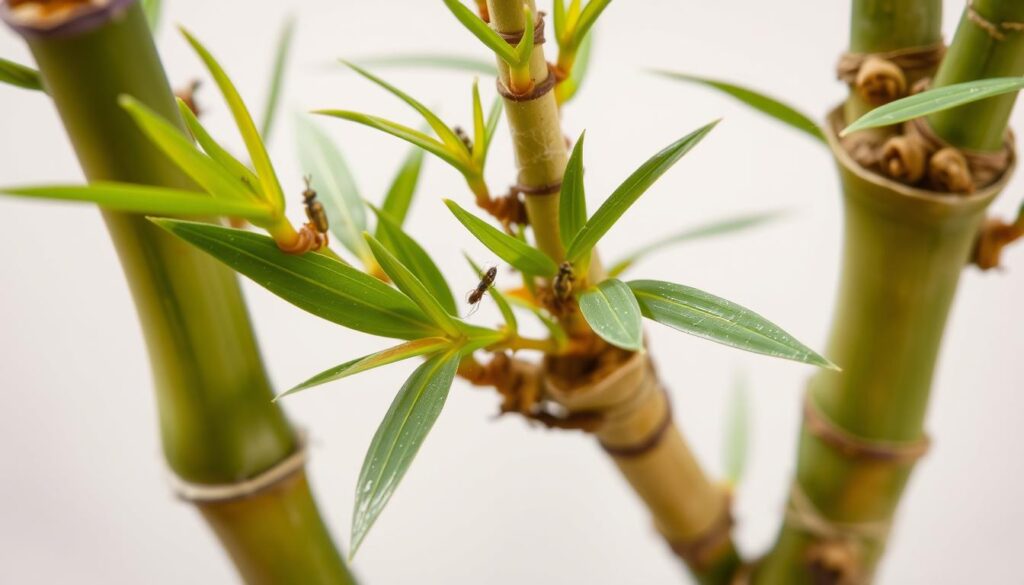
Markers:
82,491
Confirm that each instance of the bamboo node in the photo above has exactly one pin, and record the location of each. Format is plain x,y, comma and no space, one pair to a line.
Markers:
849,445
995,30
513,38
538,90
905,64
880,81
994,236
699,551
202,493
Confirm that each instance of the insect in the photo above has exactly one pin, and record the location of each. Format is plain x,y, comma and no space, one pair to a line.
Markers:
314,209
477,293
463,137
562,285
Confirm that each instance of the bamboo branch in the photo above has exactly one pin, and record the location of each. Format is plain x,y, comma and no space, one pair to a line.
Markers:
904,251
689,510
218,423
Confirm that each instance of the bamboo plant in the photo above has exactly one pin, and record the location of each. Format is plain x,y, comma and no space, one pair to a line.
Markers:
922,150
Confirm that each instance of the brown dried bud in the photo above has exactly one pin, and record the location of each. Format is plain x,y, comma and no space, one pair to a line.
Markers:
948,172
903,159
862,148
995,234
880,81
834,562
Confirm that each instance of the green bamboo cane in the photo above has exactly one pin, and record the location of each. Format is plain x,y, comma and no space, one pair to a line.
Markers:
686,504
217,421
904,251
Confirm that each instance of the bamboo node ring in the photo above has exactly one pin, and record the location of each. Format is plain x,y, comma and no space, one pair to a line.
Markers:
539,89
855,447
698,550
995,30
513,38
202,493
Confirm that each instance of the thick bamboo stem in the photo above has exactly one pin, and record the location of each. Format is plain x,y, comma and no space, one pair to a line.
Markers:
216,417
688,509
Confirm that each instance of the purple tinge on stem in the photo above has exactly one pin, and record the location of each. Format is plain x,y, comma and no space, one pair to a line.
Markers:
60,18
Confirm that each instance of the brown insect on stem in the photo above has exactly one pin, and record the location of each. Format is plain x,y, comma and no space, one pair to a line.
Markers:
474,297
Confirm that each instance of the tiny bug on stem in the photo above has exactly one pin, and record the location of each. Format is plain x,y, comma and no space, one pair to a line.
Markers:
314,209
477,293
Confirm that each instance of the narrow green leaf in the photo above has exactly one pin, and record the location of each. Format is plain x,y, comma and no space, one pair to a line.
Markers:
559,18
516,252
19,75
225,159
414,288
630,190
403,430
315,283
717,228
588,18
493,117
153,10
572,205
403,187
760,102
335,187
483,31
568,89
555,329
438,60
145,199
524,50
391,355
442,130
416,137
698,313
411,254
243,120
209,174
284,43
499,299
612,311
737,433
479,128
934,100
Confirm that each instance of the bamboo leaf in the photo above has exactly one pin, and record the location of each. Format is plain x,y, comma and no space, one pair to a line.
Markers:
225,159
758,101
403,187
335,187
284,43
431,145
19,75
572,205
411,254
479,128
210,175
717,228
935,100
399,437
499,299
314,282
559,18
629,191
391,355
698,313
516,252
524,50
149,200
492,124
269,184
570,87
483,31
442,130
737,434
153,10
587,19
414,288
612,311
438,60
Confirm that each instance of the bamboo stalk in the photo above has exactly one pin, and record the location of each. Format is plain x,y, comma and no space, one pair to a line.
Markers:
904,251
688,509
217,421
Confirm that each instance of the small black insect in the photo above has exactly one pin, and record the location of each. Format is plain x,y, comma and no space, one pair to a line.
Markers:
477,293
562,284
314,209
463,137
